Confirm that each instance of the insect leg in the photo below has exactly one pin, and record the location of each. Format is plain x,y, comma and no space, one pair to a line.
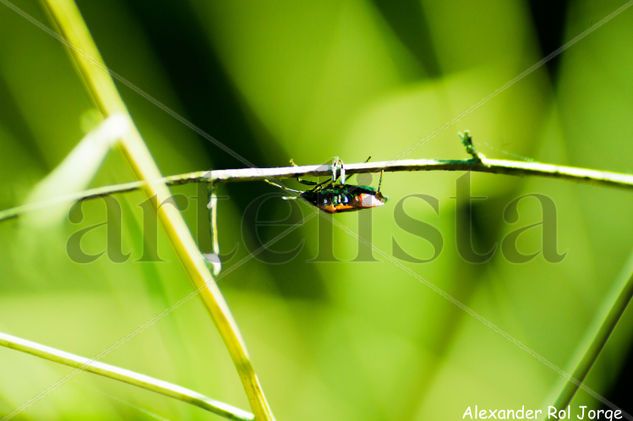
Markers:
338,170
302,180
307,182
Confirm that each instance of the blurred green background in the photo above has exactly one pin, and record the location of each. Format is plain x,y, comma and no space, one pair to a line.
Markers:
332,334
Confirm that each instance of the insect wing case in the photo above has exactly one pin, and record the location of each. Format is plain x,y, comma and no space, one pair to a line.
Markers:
344,198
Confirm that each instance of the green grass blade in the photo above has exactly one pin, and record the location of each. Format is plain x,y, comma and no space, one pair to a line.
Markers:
614,306
123,375
106,96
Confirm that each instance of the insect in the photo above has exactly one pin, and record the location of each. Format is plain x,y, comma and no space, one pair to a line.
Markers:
335,195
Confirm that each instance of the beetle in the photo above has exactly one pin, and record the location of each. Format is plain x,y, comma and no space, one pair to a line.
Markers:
335,195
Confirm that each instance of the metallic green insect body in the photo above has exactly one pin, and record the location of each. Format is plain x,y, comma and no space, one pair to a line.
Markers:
334,198
334,195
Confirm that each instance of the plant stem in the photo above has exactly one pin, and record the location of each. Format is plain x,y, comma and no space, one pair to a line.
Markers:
123,375
106,96
597,335
497,166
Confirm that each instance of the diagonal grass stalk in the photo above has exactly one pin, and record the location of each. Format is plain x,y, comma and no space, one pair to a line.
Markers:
598,334
106,96
123,375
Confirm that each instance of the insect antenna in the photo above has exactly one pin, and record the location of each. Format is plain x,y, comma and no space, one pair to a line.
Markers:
282,187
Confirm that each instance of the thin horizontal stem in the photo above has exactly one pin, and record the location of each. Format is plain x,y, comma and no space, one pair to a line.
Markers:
125,376
496,166
100,192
